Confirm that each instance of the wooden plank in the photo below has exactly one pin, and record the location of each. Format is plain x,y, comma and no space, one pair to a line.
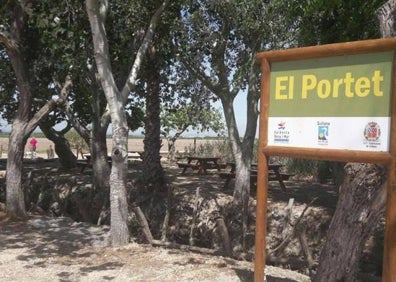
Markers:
329,154
262,178
328,50
389,256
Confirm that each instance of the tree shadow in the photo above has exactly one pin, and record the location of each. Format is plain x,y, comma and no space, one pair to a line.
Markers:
305,192
46,238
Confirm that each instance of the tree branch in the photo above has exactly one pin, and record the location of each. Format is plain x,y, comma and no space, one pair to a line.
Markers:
7,42
201,76
148,38
50,105
96,14
288,238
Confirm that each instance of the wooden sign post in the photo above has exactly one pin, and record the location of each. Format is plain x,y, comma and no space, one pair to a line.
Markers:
329,102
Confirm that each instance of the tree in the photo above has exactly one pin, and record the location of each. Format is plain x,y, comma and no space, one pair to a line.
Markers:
13,37
154,82
55,37
116,100
195,116
219,50
191,106
217,42
323,22
153,173
360,206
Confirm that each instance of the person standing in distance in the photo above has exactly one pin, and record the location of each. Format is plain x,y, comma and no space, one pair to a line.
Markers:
33,146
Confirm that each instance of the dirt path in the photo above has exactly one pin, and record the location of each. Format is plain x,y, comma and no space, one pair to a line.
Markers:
47,249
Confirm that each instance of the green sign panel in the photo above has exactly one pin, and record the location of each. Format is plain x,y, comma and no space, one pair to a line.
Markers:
342,86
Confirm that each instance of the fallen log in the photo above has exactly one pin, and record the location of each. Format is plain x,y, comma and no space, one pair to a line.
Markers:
171,245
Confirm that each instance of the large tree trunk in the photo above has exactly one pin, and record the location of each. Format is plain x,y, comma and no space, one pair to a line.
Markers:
118,177
386,15
361,204
15,197
152,169
242,153
242,159
118,196
98,148
101,170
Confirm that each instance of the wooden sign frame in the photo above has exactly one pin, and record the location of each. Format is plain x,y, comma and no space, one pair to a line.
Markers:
264,151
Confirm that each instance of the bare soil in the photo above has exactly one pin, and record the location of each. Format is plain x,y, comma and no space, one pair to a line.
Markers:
58,249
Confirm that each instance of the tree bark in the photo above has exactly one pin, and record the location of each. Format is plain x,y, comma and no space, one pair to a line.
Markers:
386,15
101,171
242,151
172,142
98,146
361,204
18,137
15,200
152,168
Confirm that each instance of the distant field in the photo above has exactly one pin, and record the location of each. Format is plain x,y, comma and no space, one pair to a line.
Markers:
134,144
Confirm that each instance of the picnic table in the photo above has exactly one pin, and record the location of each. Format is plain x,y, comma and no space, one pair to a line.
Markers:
202,164
274,174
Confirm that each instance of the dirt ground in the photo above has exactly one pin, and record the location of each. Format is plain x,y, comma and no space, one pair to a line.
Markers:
59,249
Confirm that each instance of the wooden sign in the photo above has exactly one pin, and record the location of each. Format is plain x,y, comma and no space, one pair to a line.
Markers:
329,102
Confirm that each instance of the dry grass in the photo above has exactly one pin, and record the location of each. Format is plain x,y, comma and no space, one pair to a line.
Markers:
134,144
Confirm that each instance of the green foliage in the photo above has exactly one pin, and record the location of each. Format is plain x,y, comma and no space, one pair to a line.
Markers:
323,22
302,167
317,170
220,38
195,117
57,41
219,147
135,115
